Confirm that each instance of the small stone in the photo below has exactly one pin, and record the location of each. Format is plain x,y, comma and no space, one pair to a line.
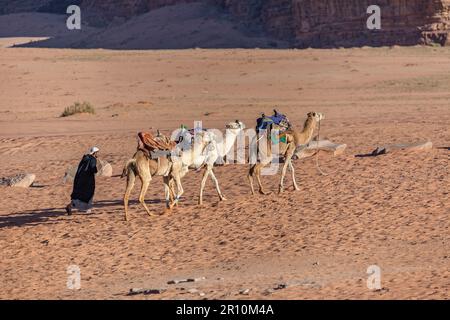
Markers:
196,279
268,292
193,291
104,169
176,281
281,286
244,292
20,180
136,291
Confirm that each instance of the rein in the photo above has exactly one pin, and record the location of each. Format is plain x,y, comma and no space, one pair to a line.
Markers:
317,153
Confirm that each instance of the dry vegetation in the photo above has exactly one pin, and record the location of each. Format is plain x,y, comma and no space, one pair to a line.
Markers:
78,108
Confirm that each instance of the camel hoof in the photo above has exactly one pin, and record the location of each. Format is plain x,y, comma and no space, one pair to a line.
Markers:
264,192
223,199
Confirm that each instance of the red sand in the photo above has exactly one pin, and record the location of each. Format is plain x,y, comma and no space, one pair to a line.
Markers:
390,210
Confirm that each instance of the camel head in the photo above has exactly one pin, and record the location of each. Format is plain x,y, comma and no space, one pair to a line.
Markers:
235,125
316,115
204,137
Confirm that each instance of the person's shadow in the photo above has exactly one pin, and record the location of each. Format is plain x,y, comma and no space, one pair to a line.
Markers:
54,215
32,217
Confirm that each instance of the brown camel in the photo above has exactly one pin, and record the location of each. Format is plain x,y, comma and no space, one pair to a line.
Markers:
145,168
295,141
172,169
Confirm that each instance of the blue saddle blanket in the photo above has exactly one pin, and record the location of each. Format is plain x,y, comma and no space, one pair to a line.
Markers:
278,119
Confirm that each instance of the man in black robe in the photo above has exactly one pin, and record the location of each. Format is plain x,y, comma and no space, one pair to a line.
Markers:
84,183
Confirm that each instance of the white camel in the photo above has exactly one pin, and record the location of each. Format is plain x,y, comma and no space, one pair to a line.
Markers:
216,149
207,148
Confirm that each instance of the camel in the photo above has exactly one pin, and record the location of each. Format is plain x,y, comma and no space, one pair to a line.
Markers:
216,149
205,151
295,141
145,168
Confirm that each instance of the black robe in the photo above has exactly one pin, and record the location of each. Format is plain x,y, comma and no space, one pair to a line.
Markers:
84,183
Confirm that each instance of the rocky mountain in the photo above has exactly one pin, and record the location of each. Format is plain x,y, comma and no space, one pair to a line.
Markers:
302,23
322,23
8,6
317,23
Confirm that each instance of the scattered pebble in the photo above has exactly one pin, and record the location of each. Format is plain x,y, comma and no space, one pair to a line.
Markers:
244,292
268,292
136,291
177,281
19,180
281,286
193,291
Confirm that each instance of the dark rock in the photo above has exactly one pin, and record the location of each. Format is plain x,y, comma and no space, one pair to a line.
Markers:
136,291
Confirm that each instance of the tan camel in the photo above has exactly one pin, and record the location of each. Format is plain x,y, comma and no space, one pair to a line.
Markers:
205,151
171,169
296,140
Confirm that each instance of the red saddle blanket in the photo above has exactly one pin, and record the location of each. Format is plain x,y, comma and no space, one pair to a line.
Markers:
150,143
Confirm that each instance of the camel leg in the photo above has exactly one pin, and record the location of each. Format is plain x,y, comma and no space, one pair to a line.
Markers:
213,177
258,168
172,191
287,162
145,183
283,174
250,179
131,178
180,189
168,195
202,186
294,182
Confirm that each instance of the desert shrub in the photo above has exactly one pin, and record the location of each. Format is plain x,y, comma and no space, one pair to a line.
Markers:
78,107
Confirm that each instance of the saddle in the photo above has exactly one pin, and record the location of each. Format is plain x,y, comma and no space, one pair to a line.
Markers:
155,147
278,121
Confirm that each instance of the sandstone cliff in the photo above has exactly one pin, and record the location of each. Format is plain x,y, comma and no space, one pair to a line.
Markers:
321,23
102,12
303,23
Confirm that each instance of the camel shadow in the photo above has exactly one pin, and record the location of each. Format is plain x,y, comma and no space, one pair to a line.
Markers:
31,217
110,203
54,215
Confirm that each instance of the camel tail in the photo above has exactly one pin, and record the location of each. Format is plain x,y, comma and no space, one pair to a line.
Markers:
129,166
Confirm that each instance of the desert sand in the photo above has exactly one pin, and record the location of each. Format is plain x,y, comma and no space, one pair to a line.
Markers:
391,210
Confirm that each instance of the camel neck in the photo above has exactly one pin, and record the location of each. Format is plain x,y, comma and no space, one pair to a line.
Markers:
230,138
306,134
308,129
